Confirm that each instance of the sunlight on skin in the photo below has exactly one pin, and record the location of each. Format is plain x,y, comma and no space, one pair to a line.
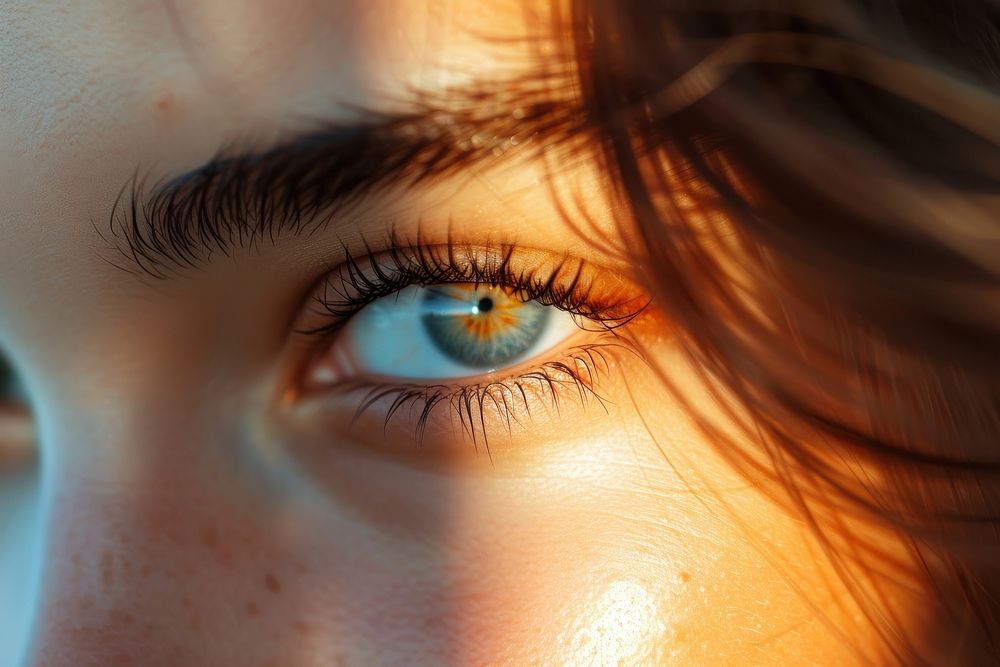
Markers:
625,625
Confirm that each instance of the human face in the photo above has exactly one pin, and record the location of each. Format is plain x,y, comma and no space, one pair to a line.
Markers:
204,497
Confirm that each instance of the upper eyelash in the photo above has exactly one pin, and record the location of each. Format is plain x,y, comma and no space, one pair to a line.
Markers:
374,275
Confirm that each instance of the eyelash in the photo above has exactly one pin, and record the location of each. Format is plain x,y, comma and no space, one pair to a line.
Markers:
435,264
576,372
566,285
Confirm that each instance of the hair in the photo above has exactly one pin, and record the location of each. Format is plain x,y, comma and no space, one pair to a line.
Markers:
815,190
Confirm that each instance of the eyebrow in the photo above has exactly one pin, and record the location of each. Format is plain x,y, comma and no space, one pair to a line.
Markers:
238,199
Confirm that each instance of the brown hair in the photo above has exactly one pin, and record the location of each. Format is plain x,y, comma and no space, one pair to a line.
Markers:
815,186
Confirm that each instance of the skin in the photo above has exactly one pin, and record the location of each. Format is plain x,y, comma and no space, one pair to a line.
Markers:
175,512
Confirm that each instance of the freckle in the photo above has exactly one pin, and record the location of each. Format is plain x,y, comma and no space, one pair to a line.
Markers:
210,537
685,577
121,659
252,609
272,583
164,102
195,623
186,601
145,571
122,618
107,573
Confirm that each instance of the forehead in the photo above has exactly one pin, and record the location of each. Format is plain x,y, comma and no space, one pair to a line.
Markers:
117,55
93,91
79,75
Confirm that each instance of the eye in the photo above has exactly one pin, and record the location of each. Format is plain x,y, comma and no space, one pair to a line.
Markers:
444,331
464,342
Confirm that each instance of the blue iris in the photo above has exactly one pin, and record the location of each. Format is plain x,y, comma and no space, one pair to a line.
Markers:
482,327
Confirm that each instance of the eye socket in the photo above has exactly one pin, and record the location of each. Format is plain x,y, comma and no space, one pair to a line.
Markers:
442,332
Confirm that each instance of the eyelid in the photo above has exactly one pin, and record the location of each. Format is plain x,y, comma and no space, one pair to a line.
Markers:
584,289
395,416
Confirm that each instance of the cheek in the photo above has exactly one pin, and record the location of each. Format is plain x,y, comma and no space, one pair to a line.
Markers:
545,574
606,557
596,548
498,565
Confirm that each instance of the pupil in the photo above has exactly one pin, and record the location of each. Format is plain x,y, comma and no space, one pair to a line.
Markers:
485,305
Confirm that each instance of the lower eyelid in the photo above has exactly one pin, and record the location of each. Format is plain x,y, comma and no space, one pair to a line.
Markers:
464,416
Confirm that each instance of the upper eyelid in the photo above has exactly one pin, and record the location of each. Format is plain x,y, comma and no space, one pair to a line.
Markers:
403,264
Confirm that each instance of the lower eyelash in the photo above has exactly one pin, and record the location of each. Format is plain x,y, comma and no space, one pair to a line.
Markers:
576,372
